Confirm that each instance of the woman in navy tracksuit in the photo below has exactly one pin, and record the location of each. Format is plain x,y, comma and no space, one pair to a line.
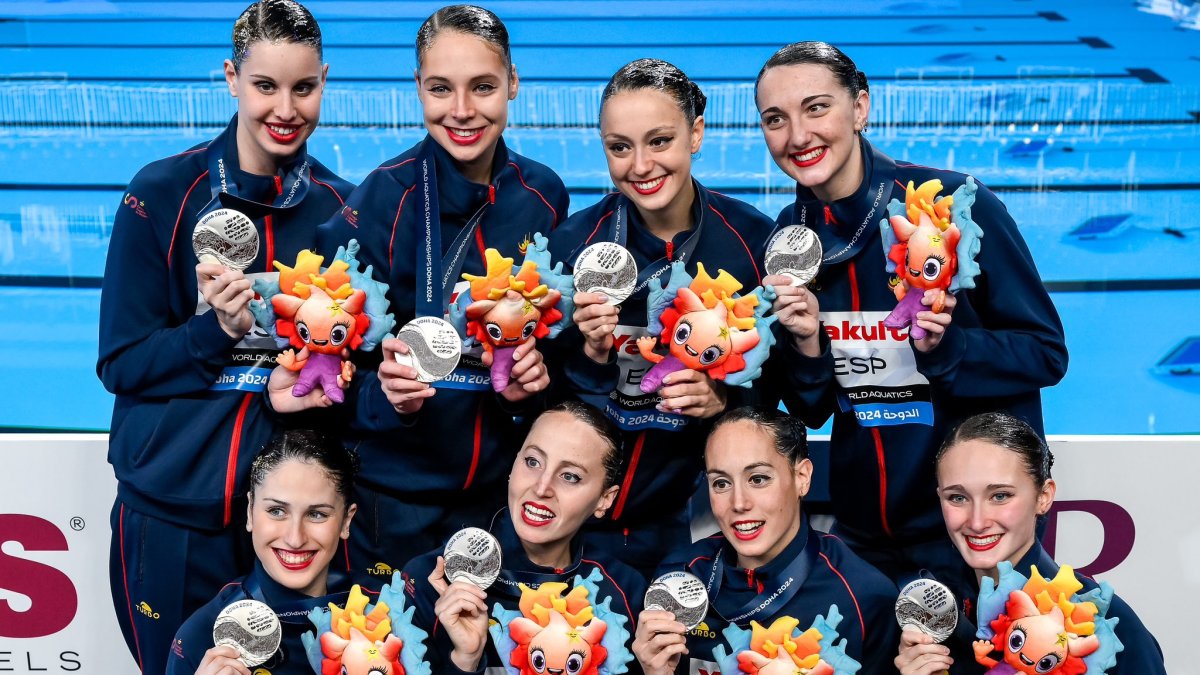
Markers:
651,123
994,485
299,511
176,341
767,562
434,456
892,398
565,472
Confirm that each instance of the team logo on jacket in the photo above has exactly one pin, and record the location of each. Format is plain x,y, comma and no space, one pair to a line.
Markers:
144,608
138,205
350,215
381,569
703,631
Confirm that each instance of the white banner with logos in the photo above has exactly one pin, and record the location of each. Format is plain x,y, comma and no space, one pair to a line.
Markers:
1124,513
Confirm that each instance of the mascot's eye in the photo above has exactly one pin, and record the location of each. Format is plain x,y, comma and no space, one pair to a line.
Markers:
494,332
933,267
709,356
1016,640
527,331
538,659
1047,663
574,663
302,331
338,335
682,332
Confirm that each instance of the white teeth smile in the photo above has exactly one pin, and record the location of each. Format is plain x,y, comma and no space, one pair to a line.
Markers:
650,185
984,541
282,131
463,133
747,528
291,558
811,154
534,513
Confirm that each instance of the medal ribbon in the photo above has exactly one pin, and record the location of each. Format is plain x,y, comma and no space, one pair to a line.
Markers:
883,176
793,576
224,188
449,266
295,611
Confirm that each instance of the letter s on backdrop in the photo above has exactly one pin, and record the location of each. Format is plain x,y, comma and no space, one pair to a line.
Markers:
54,600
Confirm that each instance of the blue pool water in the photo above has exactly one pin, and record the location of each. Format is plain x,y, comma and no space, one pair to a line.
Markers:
1087,135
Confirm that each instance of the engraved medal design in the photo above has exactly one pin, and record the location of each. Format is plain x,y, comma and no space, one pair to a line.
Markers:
227,237
472,555
434,348
251,628
928,606
606,268
795,251
681,594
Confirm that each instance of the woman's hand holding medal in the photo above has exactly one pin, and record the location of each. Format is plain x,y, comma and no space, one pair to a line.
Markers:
461,610
222,660
797,310
660,642
399,382
228,292
596,319
921,654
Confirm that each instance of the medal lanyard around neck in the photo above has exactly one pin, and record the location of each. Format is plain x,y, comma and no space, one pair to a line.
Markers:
441,272
883,176
295,182
792,578
295,611
619,234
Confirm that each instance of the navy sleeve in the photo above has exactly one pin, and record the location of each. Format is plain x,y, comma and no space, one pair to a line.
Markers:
192,641
373,217
1142,653
142,351
1018,346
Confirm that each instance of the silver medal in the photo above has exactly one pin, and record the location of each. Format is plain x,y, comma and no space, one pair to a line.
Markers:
227,237
472,555
606,268
795,251
434,348
681,594
251,628
928,606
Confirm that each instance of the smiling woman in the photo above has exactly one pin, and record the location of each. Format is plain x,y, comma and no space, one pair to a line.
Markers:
299,513
176,345
564,474
994,483
434,458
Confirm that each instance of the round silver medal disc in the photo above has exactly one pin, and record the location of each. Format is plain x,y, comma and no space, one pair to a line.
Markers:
226,236
251,628
795,251
928,606
681,594
472,555
606,268
434,347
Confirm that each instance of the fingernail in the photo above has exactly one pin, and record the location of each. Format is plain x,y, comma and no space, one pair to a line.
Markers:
603,297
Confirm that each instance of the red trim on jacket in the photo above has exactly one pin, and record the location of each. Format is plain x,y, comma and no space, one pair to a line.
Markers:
179,218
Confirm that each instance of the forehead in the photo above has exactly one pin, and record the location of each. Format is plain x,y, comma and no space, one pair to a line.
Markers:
453,53
563,438
735,445
634,112
281,58
981,462
791,84
298,482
